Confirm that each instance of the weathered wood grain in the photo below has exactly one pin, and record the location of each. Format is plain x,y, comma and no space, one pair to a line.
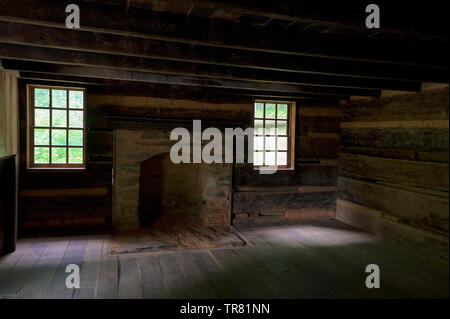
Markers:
440,157
254,202
422,241
407,172
17,276
426,209
107,287
152,277
318,258
426,105
43,273
418,139
63,192
129,279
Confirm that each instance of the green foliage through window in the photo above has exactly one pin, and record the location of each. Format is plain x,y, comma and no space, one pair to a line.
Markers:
58,126
41,97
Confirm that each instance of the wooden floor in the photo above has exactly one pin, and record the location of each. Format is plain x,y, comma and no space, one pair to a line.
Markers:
308,259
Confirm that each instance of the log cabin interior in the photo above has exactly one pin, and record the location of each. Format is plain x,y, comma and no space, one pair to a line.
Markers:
354,119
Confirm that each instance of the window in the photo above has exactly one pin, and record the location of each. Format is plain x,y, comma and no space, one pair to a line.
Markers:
274,134
56,137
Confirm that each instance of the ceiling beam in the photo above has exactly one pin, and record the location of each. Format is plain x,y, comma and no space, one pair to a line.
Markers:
399,15
98,17
138,76
115,87
82,58
19,33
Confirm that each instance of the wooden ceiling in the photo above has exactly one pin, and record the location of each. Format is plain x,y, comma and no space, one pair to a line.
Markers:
287,48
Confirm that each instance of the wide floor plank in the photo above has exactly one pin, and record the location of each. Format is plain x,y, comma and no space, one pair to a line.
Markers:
319,258
44,272
12,283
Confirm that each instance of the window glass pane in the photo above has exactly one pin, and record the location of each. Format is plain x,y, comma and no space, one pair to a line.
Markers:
75,155
258,158
270,158
76,99
59,99
282,143
270,127
271,140
59,137
281,127
259,128
59,118
41,155
41,97
270,110
281,158
282,111
259,110
76,119
59,155
270,143
41,137
258,142
41,117
76,138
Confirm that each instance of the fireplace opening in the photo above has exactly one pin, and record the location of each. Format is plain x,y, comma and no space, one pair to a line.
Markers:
182,206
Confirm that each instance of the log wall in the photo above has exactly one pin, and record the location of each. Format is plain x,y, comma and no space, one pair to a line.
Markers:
132,126
61,201
307,191
393,168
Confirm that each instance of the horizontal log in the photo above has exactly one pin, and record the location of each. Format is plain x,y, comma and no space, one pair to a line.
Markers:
393,124
431,104
417,139
64,227
156,25
288,189
259,202
424,241
308,147
319,111
100,159
304,175
420,190
71,57
317,124
94,176
42,209
265,189
181,112
98,86
330,136
304,162
100,144
440,157
36,35
424,209
146,77
318,174
310,213
415,173
69,192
